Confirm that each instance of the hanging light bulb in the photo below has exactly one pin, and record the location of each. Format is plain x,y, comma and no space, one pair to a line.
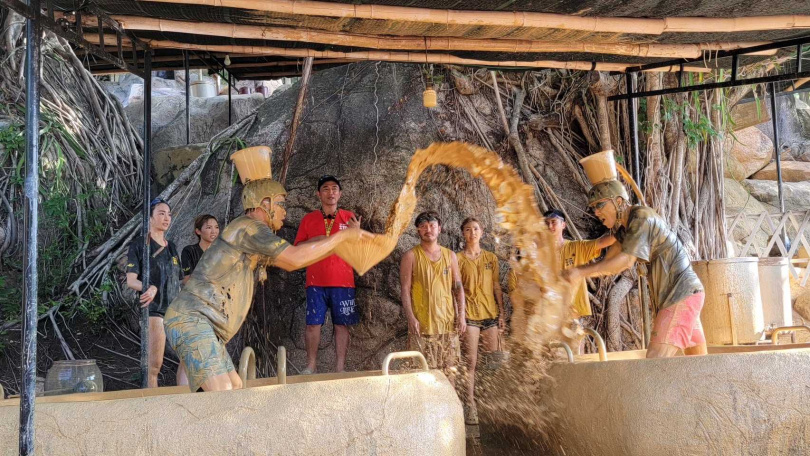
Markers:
227,60
429,97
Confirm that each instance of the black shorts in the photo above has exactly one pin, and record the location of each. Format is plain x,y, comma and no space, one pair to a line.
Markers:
483,324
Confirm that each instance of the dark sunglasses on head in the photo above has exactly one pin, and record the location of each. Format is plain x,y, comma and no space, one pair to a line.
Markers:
599,205
157,201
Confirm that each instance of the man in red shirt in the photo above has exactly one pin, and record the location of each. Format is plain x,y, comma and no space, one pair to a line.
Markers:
330,282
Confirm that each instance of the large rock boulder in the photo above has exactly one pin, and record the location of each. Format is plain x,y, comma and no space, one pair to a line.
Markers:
209,116
362,123
796,150
168,163
802,304
792,171
746,152
797,194
796,288
737,200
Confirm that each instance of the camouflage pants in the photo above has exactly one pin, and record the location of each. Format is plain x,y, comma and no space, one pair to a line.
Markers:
192,337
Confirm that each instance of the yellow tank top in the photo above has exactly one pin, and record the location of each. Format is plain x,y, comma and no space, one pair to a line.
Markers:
479,277
432,292
574,254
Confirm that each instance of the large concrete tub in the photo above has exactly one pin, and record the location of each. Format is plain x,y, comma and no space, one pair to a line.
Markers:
364,413
743,401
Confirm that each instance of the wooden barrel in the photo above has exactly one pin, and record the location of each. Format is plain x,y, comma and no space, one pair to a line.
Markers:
732,313
774,287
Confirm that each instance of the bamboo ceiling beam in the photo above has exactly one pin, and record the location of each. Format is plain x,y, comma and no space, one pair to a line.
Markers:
420,43
411,57
646,26
290,63
271,74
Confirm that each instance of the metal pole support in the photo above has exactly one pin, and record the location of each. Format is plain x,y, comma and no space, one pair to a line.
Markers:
188,98
777,149
230,111
147,177
630,80
29,314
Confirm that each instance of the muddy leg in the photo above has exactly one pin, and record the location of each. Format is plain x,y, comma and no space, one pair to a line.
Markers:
157,345
312,339
470,350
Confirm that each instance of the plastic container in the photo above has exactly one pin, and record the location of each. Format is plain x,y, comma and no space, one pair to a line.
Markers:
263,90
253,163
77,376
774,287
429,98
203,89
245,90
732,312
600,167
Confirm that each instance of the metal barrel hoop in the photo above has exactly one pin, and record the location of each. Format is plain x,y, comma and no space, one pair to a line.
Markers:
403,355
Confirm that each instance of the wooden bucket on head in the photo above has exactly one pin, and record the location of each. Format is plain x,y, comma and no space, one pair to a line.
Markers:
600,167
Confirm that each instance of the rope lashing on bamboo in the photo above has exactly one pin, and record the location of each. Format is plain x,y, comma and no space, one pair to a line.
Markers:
623,25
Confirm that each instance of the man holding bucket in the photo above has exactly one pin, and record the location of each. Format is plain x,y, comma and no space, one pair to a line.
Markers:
576,253
642,234
212,306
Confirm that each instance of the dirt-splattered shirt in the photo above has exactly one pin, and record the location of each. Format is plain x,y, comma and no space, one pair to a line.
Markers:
649,238
221,286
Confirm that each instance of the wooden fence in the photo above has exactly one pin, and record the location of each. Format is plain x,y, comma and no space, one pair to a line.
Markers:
791,225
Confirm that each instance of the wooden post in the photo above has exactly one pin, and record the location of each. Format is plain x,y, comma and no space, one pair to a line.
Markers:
299,108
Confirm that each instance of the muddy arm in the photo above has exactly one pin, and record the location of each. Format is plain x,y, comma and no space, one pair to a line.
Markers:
302,255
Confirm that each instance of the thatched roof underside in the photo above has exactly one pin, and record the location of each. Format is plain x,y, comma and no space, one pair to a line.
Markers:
201,14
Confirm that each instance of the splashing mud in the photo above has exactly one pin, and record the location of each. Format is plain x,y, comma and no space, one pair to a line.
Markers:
539,302
540,308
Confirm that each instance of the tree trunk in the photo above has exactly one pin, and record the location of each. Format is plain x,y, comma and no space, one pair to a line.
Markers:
655,154
614,312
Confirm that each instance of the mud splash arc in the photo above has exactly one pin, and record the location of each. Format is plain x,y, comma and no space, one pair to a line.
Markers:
539,304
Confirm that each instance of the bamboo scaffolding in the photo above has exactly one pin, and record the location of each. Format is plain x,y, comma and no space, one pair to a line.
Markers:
623,25
419,43
407,57
257,65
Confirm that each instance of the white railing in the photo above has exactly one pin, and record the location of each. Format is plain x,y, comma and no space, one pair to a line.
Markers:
794,225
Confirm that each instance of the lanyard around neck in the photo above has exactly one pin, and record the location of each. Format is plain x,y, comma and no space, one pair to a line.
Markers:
329,220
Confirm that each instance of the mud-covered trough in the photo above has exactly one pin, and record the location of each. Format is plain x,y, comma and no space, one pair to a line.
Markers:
415,413
735,401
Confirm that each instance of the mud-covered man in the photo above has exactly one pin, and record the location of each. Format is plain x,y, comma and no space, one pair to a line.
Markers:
214,303
433,297
676,291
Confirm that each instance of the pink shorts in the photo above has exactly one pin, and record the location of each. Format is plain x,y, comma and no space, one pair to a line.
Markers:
679,324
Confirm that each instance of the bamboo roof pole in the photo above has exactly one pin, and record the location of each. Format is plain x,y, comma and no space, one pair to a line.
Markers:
413,57
646,26
290,63
271,74
420,43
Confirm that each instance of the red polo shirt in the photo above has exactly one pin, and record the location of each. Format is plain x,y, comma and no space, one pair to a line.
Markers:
331,271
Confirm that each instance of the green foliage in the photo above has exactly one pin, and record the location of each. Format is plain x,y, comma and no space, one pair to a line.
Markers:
230,144
62,202
696,124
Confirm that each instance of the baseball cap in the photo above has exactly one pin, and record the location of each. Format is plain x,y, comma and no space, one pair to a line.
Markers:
554,213
328,178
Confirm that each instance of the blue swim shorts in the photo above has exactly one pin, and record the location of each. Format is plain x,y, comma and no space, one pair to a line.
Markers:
339,299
